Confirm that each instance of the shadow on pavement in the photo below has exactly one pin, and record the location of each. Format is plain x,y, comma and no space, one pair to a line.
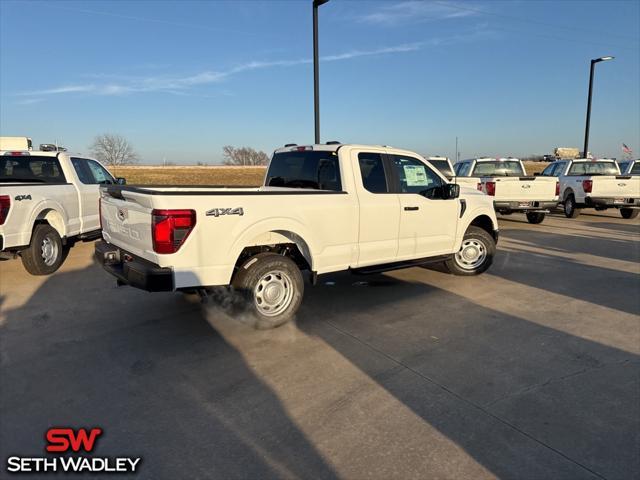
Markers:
524,400
169,389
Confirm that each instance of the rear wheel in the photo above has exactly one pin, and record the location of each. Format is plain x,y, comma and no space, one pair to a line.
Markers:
475,255
629,212
535,217
272,286
570,210
45,253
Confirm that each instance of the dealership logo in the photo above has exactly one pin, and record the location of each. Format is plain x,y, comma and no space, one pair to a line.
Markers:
68,441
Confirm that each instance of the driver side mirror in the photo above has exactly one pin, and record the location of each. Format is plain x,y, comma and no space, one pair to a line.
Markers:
450,190
121,181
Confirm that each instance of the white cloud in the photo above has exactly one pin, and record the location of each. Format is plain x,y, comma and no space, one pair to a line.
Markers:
414,11
180,85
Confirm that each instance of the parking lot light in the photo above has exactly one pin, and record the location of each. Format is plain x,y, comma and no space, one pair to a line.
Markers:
586,130
316,73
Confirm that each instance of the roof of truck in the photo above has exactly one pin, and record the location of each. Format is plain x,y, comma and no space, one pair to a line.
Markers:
329,147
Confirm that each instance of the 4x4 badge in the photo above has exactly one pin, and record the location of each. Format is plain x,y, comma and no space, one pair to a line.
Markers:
216,212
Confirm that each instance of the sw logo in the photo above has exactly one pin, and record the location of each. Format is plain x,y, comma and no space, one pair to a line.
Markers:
65,440
61,439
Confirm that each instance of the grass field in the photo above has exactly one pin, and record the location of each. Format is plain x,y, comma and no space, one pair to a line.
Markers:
215,175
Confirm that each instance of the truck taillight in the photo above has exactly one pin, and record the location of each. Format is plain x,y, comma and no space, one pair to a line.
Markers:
170,228
479,186
557,189
491,188
587,185
5,205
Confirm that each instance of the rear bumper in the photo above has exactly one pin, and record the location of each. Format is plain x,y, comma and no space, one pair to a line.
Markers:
133,271
526,206
611,202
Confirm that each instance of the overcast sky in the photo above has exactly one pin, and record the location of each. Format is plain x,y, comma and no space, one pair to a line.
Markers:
182,79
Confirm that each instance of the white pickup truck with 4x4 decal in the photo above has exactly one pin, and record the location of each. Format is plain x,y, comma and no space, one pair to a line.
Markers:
511,189
323,208
48,201
598,184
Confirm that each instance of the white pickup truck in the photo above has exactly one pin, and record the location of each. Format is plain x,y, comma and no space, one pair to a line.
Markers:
506,180
586,183
48,201
323,208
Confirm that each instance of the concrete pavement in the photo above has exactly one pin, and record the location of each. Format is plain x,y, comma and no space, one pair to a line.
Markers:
528,371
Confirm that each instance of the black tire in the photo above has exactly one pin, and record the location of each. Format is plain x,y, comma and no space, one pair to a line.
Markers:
629,212
535,217
275,273
45,253
570,209
474,237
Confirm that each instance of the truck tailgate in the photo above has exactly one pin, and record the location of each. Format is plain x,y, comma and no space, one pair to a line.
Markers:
126,222
524,188
620,186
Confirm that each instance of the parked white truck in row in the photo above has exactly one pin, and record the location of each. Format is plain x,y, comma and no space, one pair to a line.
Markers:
323,208
586,183
511,189
48,200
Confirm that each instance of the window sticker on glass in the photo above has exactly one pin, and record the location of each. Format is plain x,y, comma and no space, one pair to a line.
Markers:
415,175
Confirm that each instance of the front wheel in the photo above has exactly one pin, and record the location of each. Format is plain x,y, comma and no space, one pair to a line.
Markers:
629,212
272,286
475,255
570,210
45,253
535,217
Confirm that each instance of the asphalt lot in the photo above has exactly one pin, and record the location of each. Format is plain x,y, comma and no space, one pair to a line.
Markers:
529,371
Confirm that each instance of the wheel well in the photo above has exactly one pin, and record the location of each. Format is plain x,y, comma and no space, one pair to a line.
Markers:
485,223
290,250
567,193
53,219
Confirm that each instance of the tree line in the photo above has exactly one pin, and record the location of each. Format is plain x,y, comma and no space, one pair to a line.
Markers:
114,150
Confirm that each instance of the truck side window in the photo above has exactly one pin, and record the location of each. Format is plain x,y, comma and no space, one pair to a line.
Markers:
312,169
463,169
550,170
99,173
91,172
374,178
415,177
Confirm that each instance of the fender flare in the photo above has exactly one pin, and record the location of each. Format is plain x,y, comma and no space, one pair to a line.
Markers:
53,213
275,231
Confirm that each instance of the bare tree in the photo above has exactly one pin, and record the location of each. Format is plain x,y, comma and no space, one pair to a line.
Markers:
113,150
243,156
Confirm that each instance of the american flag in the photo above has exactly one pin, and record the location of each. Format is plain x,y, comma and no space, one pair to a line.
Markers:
626,149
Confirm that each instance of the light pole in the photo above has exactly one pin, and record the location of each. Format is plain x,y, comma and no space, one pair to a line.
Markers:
316,73
586,129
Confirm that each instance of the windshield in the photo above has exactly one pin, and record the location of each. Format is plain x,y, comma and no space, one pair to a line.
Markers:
593,168
318,170
506,168
30,168
443,166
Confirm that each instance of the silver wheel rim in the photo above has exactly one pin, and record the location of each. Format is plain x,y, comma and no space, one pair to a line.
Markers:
49,249
472,254
273,293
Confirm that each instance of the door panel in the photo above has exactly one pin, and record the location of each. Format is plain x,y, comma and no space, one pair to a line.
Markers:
379,210
427,223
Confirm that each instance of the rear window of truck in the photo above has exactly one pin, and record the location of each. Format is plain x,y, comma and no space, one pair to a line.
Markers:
317,170
498,169
30,168
593,168
443,166
635,169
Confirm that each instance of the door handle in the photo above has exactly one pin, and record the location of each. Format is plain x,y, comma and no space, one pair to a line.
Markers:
411,209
